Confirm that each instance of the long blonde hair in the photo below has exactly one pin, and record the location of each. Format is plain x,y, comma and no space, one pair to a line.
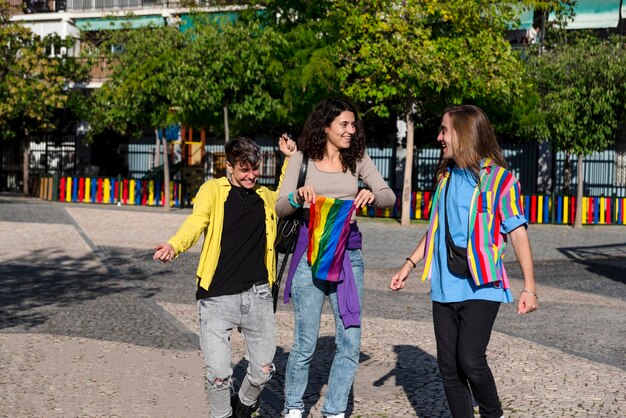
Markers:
475,140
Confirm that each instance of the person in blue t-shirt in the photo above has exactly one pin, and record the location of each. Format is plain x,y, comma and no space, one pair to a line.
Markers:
476,207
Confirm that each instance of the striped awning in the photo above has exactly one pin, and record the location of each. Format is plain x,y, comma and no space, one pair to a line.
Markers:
525,18
115,23
594,14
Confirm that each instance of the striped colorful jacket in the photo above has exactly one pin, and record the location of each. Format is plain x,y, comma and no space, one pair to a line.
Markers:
497,199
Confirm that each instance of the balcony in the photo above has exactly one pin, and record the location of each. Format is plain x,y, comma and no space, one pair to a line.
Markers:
48,6
32,6
101,70
82,5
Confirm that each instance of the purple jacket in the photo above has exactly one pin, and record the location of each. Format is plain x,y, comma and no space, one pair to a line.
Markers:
347,293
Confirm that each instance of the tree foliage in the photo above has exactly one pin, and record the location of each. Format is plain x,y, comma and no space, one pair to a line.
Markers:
231,67
35,78
311,54
425,55
138,92
583,94
164,75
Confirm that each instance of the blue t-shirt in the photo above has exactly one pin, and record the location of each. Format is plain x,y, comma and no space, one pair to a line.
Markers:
445,286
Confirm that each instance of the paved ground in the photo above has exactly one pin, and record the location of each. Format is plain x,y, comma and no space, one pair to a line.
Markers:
91,327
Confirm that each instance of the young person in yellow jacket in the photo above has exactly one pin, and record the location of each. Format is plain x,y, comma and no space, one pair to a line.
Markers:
235,273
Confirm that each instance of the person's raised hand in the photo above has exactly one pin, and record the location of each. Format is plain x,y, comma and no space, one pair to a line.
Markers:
287,145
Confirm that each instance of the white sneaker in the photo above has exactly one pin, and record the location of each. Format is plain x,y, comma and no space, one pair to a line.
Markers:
294,413
335,416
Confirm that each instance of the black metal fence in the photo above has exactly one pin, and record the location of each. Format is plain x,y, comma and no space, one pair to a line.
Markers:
46,156
537,170
600,173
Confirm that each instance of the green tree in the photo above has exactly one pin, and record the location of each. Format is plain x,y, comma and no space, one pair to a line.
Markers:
413,58
165,75
583,98
232,70
310,56
139,92
35,82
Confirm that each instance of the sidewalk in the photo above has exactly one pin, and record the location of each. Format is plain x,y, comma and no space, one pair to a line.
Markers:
90,326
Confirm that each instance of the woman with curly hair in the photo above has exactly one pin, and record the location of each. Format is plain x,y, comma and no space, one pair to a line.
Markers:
333,142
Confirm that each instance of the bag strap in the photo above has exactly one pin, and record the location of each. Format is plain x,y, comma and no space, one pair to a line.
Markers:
283,264
445,209
303,168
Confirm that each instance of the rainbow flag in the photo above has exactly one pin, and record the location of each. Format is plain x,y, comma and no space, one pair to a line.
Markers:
329,226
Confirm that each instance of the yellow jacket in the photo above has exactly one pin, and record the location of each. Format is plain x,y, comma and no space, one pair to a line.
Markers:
208,218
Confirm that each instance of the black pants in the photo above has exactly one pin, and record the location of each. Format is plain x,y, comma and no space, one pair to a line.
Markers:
462,330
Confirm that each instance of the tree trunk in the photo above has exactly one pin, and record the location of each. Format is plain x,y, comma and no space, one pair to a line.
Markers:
26,165
226,129
578,221
567,175
166,175
226,135
157,153
408,172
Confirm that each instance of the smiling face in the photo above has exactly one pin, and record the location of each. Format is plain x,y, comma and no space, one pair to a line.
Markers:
243,174
341,130
447,137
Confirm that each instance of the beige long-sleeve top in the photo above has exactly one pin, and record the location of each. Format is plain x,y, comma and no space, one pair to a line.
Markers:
337,185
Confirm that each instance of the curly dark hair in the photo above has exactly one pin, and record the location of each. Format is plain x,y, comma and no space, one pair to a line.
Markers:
243,150
313,138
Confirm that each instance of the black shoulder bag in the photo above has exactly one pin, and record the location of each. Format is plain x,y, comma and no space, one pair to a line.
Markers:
456,256
287,233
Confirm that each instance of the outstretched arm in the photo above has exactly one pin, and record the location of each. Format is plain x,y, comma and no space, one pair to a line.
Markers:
528,300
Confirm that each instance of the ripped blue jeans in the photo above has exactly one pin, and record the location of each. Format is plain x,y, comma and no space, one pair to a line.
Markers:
252,311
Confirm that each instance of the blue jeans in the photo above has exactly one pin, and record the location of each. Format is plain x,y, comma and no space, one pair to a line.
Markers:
253,312
308,299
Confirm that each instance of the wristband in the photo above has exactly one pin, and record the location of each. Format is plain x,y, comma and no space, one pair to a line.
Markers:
412,262
293,202
530,293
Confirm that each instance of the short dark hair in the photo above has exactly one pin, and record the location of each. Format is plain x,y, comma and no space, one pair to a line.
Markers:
243,150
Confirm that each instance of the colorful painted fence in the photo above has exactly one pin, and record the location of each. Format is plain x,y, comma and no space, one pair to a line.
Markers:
540,209
107,190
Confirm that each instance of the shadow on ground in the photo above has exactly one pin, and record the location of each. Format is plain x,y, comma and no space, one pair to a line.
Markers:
417,373
48,291
604,260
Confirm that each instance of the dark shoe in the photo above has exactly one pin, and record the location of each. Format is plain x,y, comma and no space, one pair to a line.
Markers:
243,411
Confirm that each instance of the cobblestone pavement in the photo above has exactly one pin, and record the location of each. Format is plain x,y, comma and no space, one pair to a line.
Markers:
90,326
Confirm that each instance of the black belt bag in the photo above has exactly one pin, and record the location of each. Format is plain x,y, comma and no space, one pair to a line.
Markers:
456,256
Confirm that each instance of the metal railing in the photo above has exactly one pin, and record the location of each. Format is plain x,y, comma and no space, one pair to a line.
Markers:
49,6
74,5
101,70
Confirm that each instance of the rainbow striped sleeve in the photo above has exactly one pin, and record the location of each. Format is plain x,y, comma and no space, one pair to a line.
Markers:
511,199
329,226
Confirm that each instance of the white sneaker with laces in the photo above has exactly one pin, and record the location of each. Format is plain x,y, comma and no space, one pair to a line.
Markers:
294,413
